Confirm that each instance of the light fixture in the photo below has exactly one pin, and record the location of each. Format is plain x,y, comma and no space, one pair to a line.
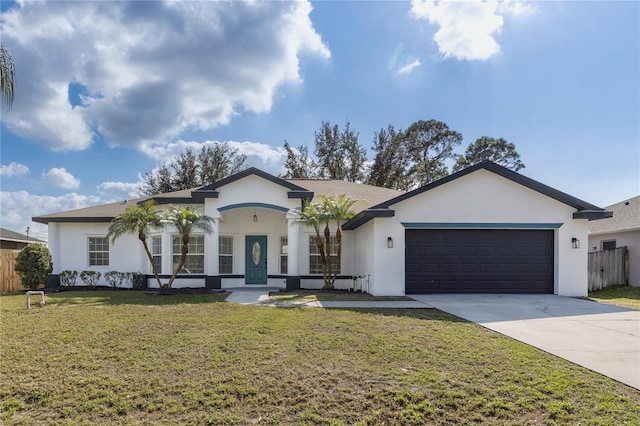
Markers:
575,243
389,242
255,216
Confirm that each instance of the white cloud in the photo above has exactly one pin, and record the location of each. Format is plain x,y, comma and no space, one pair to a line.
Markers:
119,190
19,207
409,67
61,178
151,70
13,169
467,29
265,157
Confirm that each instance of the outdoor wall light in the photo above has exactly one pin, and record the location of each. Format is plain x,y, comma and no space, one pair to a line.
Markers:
389,242
575,243
255,216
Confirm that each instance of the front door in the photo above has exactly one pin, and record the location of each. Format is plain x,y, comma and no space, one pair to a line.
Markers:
255,259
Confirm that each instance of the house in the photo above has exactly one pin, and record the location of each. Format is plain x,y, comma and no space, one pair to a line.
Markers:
623,229
483,229
12,241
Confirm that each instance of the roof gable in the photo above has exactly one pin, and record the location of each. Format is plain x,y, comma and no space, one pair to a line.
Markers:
584,210
581,206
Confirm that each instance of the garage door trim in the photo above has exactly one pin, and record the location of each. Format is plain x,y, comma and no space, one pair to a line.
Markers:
471,225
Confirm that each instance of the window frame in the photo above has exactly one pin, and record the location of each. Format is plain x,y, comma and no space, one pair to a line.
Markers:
175,257
608,243
155,255
105,243
313,252
283,254
227,256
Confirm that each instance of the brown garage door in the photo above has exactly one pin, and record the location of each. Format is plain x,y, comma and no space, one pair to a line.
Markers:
478,261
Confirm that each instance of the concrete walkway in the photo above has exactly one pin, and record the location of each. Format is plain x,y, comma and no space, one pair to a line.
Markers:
603,338
260,297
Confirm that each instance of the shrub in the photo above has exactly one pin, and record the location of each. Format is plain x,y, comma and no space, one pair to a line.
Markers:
68,278
138,280
90,278
34,265
115,278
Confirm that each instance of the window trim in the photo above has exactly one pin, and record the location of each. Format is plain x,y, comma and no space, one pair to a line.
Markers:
156,255
226,255
107,251
190,253
603,242
282,254
334,254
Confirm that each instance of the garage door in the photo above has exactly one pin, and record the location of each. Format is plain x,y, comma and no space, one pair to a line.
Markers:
478,261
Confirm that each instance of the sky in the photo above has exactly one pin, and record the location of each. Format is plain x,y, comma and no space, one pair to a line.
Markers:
107,91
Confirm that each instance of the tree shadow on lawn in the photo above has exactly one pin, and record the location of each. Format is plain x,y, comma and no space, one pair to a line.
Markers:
130,297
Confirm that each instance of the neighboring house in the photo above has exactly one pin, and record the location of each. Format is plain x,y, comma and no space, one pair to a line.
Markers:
12,241
623,229
484,229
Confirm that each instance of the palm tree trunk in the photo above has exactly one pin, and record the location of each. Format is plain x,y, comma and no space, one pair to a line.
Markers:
150,257
183,258
328,285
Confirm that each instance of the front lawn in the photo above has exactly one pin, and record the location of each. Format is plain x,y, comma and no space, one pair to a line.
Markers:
621,295
125,357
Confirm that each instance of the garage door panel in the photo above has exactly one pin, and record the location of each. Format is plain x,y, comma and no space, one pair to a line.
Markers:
479,261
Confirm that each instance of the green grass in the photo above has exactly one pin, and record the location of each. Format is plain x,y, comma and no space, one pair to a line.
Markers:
621,295
128,358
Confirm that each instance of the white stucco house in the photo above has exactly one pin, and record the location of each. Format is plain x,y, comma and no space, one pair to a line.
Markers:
620,230
484,229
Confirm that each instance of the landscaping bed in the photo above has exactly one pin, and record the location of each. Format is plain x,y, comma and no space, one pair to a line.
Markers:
124,357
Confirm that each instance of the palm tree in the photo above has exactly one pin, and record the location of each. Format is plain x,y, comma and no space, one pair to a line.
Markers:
7,76
339,209
313,215
319,216
185,220
137,219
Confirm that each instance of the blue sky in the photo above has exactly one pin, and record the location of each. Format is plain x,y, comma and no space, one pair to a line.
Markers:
109,90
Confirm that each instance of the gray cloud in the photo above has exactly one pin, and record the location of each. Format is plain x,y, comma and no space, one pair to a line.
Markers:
151,69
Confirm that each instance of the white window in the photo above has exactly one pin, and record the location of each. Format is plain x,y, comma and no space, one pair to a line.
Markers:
315,261
225,251
156,252
98,251
284,255
194,263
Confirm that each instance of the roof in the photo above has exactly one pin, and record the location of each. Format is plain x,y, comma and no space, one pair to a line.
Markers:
296,188
584,210
626,217
106,212
374,201
8,235
368,195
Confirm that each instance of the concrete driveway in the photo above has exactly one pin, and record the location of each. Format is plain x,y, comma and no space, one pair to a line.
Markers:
602,338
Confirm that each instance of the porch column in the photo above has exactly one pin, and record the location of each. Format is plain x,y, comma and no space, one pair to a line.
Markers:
293,252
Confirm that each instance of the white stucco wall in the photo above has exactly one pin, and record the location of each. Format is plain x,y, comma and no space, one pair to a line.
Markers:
483,197
631,239
71,250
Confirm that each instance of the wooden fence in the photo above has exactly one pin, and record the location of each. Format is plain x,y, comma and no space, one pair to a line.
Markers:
10,281
608,267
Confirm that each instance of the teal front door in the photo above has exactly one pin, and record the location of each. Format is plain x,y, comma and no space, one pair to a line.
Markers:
255,259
